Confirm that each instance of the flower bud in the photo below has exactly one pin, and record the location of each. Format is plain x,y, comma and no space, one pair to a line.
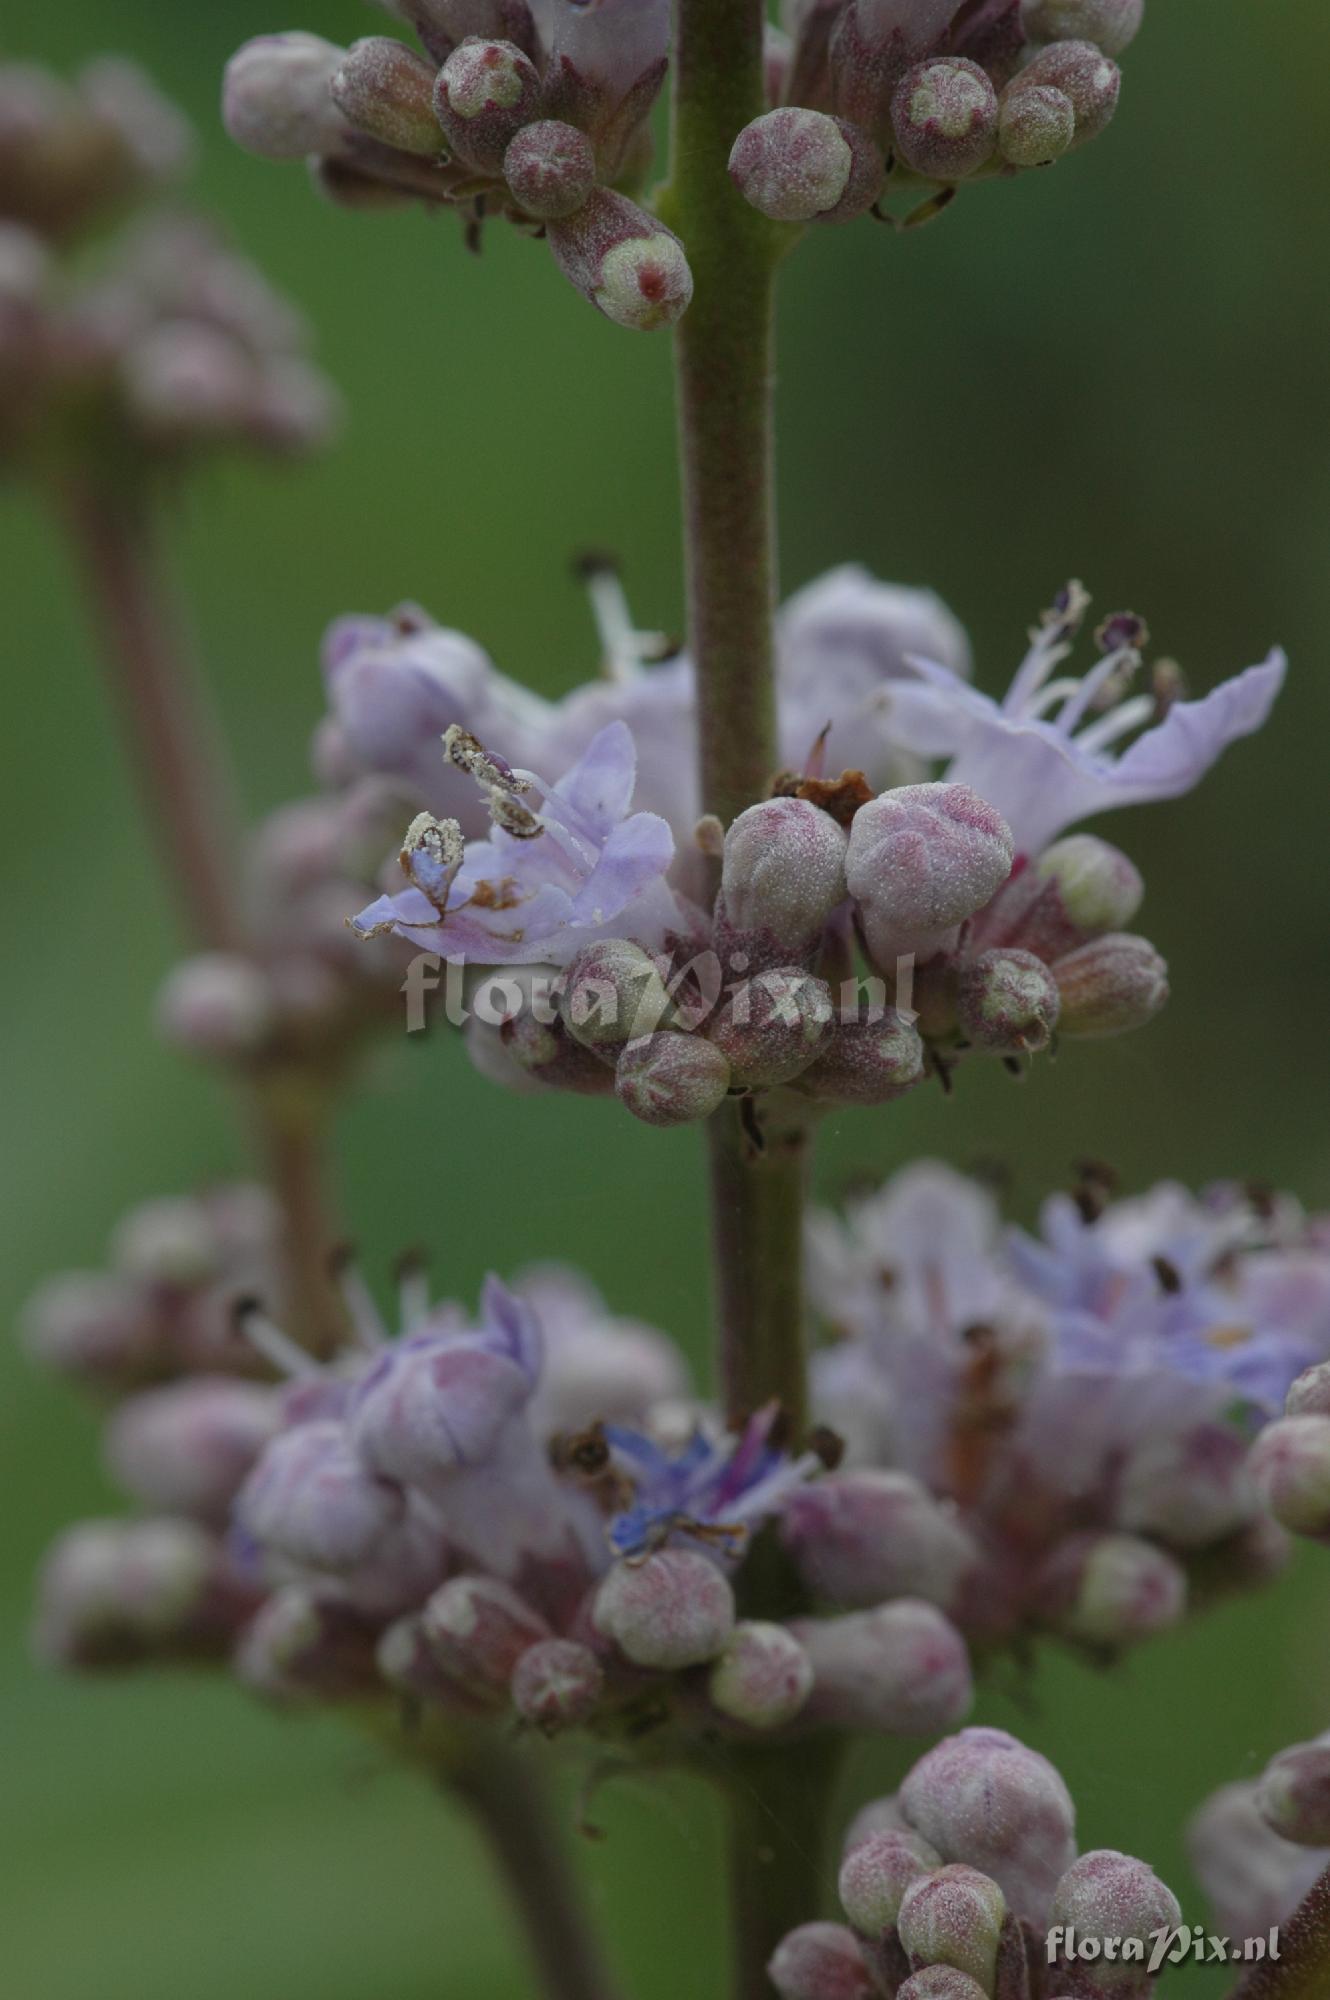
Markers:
623,261
313,1499
115,1593
276,98
387,90
820,1962
783,871
954,1917
672,1610
940,1982
306,1645
546,1052
556,1684
1107,1895
1098,887
611,994
1109,986
436,1407
92,1325
169,1241
803,166
763,1677
902,1668
1083,74
1112,1590
861,1537
1310,1394
1290,1467
671,1079
187,1448
485,93
921,860
984,1797
1007,1001
876,1873
550,169
1111,24
773,1026
866,1062
215,1004
1293,1796
477,1629
1187,1486
945,118
1036,124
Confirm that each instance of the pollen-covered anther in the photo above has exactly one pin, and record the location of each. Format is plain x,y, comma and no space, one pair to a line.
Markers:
432,853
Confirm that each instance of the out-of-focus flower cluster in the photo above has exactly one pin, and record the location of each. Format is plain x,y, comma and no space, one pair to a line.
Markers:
861,928
876,97
534,113
161,340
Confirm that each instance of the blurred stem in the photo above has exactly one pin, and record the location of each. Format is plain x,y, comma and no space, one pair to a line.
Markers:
291,1124
780,1801
1302,1970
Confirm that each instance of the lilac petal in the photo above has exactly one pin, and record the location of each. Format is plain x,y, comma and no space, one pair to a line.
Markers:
599,787
511,1326
636,854
1172,758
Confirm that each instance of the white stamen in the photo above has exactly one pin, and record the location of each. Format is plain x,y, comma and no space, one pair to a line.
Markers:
1118,722
366,1320
1122,663
1049,697
413,1295
267,1339
624,650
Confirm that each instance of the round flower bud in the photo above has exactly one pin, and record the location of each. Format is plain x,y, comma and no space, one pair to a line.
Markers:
1109,986
803,166
1111,24
113,1593
866,1062
954,1917
216,1004
1107,1895
783,871
485,93
623,261
1293,1796
188,1447
91,1325
875,1874
940,1982
861,1537
1083,74
1290,1467
307,1645
921,860
1112,1590
983,1796
612,994
550,169
184,381
1007,1001
276,98
546,1052
1310,1394
763,1677
170,1242
671,1079
945,118
313,1499
556,1684
672,1610
387,90
434,1408
1098,887
820,1962
1036,124
773,1026
477,1629
902,1668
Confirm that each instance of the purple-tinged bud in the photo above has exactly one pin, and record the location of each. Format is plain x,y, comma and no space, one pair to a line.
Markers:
312,1498
550,169
407,1662
187,1448
1187,1487
1098,887
1107,1895
672,1610
902,1668
945,118
763,1677
478,1629
557,1684
923,858
803,166
671,1079
1109,986
1293,1796
276,98
623,261
1310,1394
861,1537
184,381
216,1004
306,1645
821,1962
89,1324
1036,124
485,93
1290,1468
783,871
954,1917
866,1062
876,1873
773,1026
1083,74
1112,1590
115,1593
612,993
940,1982
1007,1002
1110,24
169,1241
387,90
429,1410
546,1052
984,1797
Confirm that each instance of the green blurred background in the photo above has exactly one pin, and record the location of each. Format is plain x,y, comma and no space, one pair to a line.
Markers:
1116,370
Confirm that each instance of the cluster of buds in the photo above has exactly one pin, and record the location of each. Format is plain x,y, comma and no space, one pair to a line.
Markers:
164,341
537,114
966,1885
1250,1844
877,97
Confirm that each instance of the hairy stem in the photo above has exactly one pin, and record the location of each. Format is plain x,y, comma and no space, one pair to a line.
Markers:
1302,1970
780,1800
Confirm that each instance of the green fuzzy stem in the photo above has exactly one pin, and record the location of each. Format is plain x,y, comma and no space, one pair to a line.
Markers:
780,1801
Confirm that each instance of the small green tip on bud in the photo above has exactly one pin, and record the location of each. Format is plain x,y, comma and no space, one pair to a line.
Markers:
483,96
387,90
672,1610
1290,1468
1110,24
954,1917
876,1873
945,118
1085,75
612,994
1109,986
557,1684
763,1677
1101,890
1036,124
804,166
1007,1002
623,261
671,1079
550,169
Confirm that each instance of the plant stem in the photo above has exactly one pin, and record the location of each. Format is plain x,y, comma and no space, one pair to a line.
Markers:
1302,1970
757,1203
779,1805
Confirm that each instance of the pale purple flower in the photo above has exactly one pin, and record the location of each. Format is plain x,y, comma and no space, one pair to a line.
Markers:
612,44
711,1492
596,1365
